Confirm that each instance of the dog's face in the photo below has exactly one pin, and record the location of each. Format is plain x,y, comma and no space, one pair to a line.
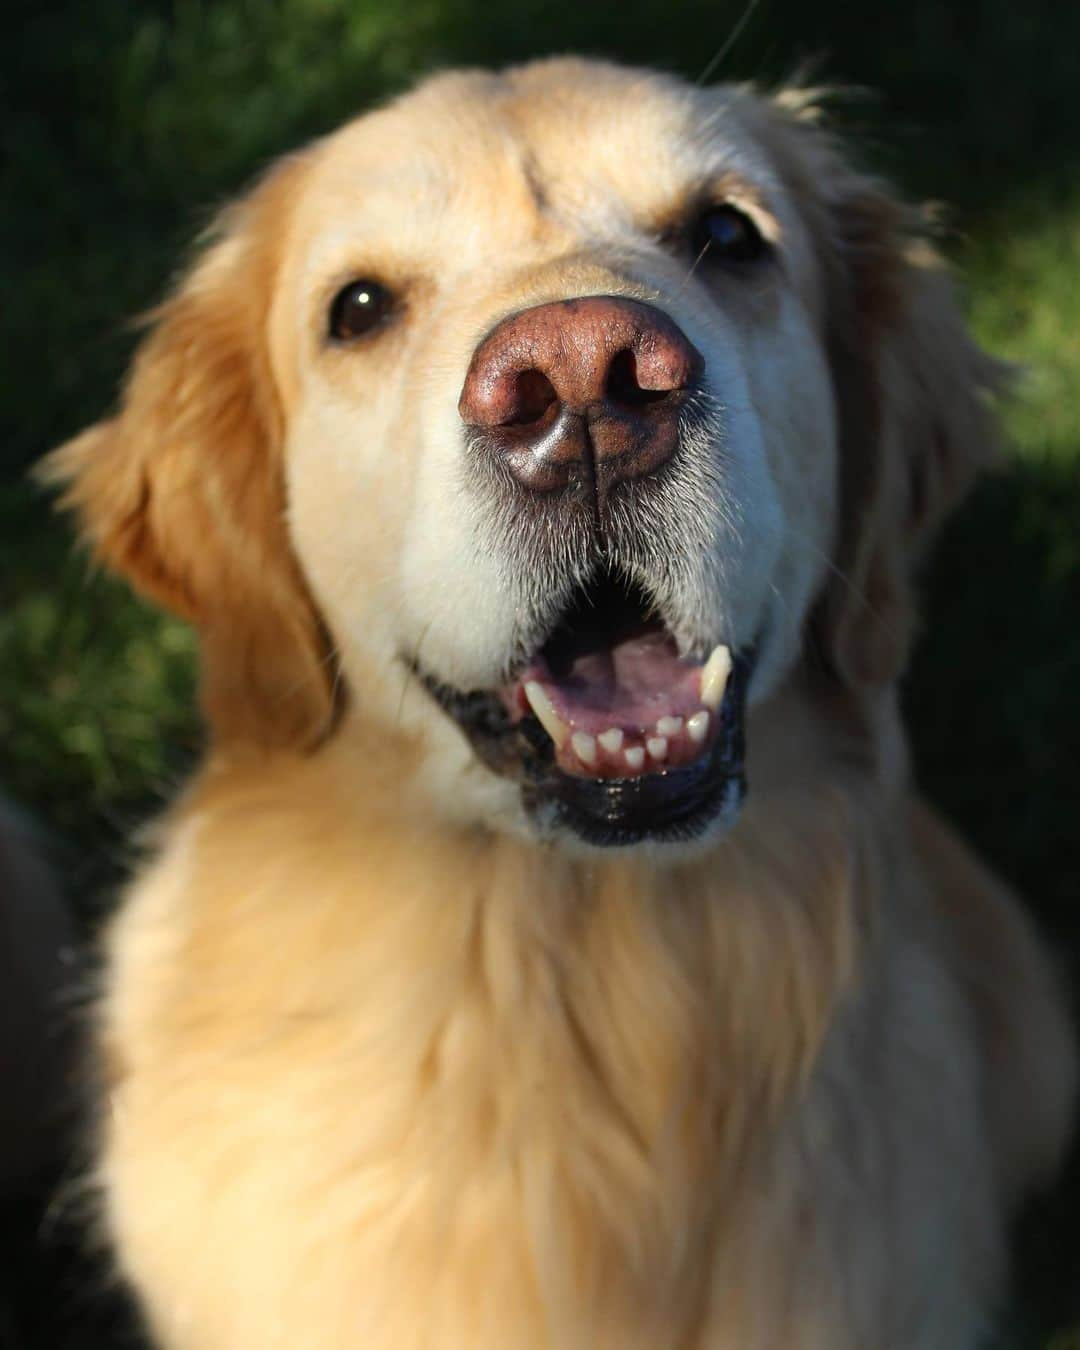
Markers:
535,411
561,437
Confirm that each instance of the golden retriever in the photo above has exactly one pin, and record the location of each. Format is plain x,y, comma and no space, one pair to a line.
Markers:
552,951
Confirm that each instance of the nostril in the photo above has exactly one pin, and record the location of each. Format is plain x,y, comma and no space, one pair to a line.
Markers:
534,394
621,385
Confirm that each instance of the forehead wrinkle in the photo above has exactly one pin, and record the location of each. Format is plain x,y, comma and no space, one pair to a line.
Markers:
605,168
489,159
640,152
469,170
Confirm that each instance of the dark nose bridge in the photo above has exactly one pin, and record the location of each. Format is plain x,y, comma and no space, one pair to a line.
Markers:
582,392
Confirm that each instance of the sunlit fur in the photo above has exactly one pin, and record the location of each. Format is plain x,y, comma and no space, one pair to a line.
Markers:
385,1066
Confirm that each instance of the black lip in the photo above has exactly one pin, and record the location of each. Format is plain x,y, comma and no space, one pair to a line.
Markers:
664,806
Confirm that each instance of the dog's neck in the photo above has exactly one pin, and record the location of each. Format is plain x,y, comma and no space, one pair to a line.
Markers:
622,1038
617,952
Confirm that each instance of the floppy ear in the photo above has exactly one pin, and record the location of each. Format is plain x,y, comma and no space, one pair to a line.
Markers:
183,490
913,396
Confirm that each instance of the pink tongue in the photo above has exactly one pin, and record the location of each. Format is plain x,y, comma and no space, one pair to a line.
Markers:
630,686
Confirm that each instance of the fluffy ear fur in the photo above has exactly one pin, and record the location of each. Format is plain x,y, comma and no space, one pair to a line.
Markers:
914,400
183,490
913,397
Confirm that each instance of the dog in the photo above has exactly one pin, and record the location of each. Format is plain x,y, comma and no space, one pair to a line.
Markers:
553,949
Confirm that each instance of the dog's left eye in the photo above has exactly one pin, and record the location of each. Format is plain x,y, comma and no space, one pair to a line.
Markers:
358,308
726,234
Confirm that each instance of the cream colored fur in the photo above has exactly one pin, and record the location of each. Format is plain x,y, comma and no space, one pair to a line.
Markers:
385,1068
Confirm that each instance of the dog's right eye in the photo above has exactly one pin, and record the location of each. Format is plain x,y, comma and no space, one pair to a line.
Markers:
724,233
358,308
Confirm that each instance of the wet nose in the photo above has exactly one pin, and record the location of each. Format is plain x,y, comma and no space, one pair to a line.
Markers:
584,391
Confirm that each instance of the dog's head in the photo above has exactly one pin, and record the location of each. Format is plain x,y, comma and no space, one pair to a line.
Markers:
547,419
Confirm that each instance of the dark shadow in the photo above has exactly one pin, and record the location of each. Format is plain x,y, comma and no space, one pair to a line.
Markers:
993,706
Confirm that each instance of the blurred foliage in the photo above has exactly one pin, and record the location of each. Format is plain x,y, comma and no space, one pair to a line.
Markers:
1023,276
128,123
995,692
98,690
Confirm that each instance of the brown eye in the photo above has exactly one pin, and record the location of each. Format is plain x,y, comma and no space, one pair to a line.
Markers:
358,308
726,234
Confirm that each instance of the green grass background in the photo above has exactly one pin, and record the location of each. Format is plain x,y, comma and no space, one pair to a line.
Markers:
127,122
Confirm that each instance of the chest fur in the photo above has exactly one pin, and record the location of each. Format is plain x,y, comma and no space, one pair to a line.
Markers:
414,1104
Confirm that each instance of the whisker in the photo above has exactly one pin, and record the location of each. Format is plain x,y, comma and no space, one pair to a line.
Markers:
693,268
843,576
803,539
332,655
408,672
733,37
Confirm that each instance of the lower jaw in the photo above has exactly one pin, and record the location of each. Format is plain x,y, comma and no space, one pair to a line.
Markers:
666,806
673,806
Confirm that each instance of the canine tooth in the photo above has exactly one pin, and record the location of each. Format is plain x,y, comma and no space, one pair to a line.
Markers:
657,746
669,726
714,677
611,740
698,727
584,747
635,757
545,712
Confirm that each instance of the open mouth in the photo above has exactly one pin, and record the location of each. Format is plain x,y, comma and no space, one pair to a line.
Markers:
613,733
612,692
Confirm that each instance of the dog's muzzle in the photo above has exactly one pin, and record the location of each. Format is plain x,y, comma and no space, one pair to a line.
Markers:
610,732
613,732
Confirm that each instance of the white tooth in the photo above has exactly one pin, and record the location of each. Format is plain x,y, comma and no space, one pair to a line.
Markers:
657,746
698,726
635,757
545,712
714,677
611,740
584,747
669,726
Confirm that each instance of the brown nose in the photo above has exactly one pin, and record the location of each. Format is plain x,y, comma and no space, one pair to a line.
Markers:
580,392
